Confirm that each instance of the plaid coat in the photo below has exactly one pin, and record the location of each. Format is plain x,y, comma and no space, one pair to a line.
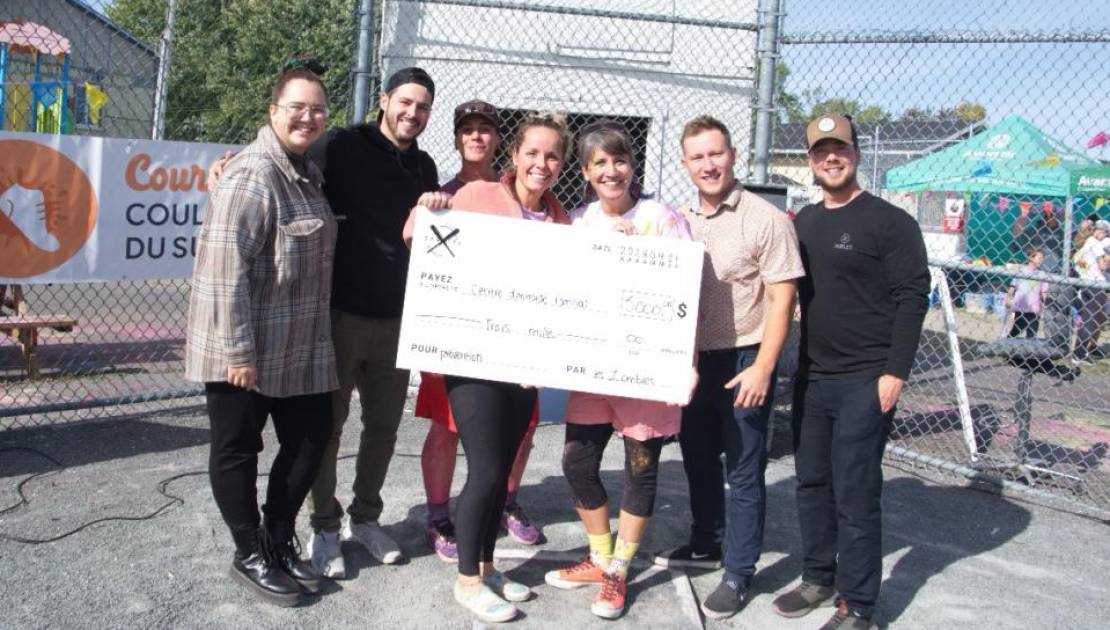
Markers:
262,280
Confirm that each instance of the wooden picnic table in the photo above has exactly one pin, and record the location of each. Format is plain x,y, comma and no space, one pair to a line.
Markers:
17,322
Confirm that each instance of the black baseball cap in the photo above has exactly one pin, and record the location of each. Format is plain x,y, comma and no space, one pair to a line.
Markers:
481,109
411,74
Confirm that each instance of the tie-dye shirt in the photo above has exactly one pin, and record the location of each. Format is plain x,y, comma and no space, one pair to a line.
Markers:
1029,294
650,217
631,417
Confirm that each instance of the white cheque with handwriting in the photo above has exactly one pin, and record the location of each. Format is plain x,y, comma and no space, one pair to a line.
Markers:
551,305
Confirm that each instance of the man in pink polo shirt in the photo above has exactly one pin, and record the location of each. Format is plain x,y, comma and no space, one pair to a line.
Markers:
747,300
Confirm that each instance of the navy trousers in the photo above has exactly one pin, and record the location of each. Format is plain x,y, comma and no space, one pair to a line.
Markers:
710,426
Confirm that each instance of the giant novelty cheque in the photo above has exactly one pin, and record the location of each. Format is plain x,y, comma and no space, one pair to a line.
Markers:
550,305
78,209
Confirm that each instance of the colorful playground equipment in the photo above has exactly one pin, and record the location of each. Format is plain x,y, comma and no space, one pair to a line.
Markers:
46,97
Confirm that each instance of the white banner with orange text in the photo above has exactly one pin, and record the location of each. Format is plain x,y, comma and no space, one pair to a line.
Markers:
551,305
80,209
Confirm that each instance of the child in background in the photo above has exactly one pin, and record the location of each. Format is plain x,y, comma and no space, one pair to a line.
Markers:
1026,297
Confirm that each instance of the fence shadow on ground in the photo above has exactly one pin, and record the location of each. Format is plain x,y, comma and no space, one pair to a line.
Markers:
84,358
935,526
983,416
939,526
78,444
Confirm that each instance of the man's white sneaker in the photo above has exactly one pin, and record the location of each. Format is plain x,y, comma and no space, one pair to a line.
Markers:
370,535
327,555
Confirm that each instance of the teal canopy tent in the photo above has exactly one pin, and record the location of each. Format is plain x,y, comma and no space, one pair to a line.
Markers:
1090,191
1022,161
1091,182
1010,165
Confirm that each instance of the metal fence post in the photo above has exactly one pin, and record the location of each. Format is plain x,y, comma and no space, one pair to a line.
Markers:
768,53
363,59
162,82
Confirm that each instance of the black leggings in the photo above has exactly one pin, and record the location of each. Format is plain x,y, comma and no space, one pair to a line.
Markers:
492,418
237,417
582,454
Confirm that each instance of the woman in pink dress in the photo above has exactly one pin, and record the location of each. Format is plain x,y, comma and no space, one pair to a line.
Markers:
605,152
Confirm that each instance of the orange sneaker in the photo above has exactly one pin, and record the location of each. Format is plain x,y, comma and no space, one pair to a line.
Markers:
576,576
609,603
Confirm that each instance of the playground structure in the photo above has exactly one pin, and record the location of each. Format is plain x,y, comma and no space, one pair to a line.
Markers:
48,96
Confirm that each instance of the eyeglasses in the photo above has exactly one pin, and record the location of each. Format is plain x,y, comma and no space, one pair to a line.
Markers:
296,109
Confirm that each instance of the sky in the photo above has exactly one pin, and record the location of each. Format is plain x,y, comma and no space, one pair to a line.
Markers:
1062,88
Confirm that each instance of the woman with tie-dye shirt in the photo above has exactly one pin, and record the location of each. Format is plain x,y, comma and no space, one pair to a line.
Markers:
605,152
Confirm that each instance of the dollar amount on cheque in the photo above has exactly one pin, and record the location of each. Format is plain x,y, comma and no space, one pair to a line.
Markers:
551,305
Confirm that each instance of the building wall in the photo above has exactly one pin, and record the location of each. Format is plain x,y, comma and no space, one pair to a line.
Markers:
99,54
613,67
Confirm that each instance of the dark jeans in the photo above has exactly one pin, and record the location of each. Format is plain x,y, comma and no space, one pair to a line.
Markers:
237,417
710,425
839,436
1025,325
492,418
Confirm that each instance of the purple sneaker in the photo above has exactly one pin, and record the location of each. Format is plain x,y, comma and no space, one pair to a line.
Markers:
441,538
519,527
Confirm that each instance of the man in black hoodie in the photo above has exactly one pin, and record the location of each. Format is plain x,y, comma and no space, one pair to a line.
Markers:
864,298
374,173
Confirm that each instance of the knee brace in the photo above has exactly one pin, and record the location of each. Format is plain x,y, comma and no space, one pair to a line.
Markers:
641,474
581,463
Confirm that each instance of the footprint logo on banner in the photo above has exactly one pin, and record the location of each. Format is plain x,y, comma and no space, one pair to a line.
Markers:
47,208
26,209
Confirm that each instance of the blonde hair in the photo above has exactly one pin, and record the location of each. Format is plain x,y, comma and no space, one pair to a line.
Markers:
556,121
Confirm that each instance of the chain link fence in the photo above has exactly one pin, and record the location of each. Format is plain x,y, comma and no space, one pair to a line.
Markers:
93,68
651,65
983,122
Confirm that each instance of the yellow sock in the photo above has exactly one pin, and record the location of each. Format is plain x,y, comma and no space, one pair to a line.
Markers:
623,553
601,548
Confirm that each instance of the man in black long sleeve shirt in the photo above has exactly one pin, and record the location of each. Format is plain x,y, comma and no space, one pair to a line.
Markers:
374,173
863,298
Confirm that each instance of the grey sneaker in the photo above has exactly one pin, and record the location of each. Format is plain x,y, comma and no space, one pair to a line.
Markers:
686,556
326,554
803,599
371,535
847,619
726,600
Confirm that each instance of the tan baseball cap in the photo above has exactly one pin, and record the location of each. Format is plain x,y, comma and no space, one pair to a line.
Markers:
831,126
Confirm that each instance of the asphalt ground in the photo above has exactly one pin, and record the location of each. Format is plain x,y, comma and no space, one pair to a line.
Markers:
954,557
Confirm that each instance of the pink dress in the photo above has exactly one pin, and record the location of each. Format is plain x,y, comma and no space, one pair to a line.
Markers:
631,417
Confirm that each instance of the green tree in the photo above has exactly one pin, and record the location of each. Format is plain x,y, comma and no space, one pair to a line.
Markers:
227,54
789,105
971,112
965,112
860,113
